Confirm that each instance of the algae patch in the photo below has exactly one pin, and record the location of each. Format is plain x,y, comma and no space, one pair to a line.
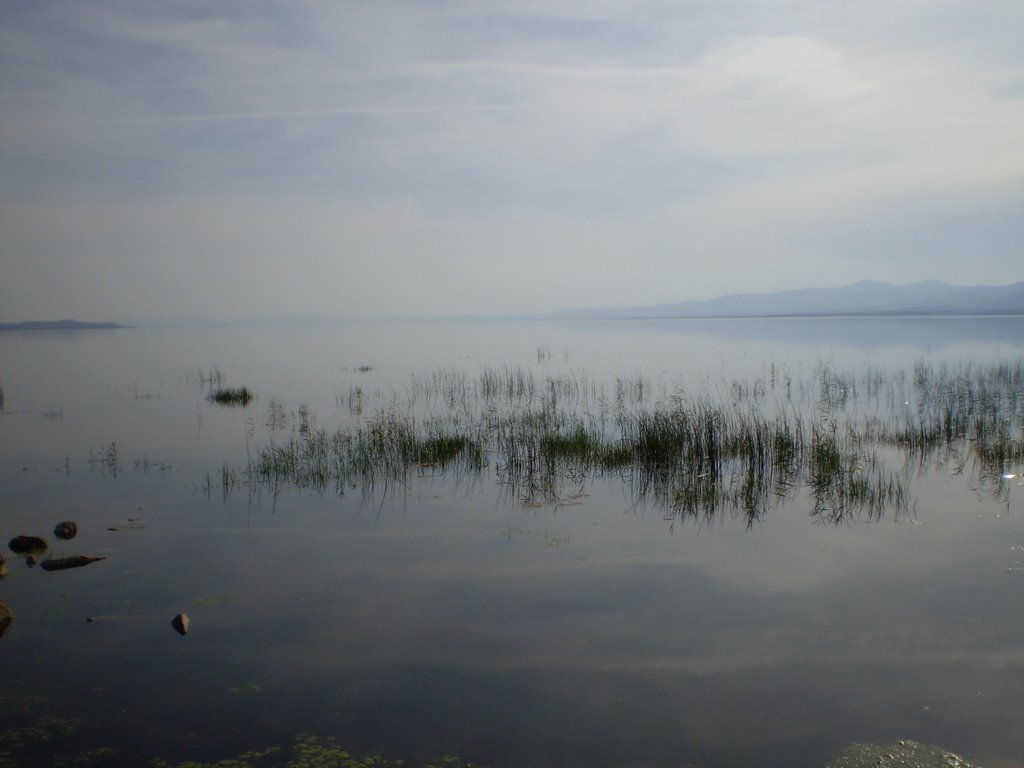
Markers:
311,752
902,754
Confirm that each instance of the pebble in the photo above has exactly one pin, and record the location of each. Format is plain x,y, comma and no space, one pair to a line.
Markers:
181,623
67,529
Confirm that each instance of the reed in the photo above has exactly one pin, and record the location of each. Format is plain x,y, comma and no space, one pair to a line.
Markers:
231,396
212,377
743,446
383,451
106,459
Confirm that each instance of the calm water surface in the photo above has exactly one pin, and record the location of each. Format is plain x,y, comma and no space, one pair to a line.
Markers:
446,618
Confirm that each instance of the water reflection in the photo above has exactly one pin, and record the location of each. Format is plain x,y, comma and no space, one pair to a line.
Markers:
526,604
741,451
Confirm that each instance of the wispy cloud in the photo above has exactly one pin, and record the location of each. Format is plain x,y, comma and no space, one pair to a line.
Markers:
628,151
397,109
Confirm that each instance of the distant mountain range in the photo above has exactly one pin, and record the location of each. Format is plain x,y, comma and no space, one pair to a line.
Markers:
56,325
866,297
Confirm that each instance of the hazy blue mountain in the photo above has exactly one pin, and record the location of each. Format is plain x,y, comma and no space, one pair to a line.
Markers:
867,297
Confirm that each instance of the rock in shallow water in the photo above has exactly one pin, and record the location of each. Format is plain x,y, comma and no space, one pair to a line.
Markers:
180,623
67,529
63,563
5,618
23,545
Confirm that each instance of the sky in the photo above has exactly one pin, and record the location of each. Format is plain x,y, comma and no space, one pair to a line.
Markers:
247,159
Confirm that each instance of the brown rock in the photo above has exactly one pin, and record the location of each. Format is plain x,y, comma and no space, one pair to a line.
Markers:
67,529
63,563
181,624
23,545
5,618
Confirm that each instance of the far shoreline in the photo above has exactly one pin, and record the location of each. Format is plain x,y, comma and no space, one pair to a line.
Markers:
60,325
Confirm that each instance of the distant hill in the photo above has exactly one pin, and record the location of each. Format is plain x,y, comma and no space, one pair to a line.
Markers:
56,325
867,297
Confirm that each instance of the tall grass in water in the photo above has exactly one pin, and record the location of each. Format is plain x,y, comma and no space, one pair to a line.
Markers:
231,396
742,448
211,378
105,459
379,453
968,415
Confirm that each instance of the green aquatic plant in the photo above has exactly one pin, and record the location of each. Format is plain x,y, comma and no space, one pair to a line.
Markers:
907,753
251,759
231,396
381,452
310,752
693,457
741,446
29,729
33,736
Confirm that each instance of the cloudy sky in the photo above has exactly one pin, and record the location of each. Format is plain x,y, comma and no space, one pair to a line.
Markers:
238,159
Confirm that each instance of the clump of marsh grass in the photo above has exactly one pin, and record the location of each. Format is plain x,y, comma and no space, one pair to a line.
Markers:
959,416
231,396
743,447
380,452
694,458
105,459
846,480
312,752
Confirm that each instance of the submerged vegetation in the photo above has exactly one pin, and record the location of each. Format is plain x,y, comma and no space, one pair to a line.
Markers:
742,448
311,752
213,381
33,736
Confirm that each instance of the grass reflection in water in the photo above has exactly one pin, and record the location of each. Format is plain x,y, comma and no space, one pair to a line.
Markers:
741,449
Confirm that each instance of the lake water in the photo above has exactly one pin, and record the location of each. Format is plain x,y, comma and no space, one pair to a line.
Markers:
591,624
